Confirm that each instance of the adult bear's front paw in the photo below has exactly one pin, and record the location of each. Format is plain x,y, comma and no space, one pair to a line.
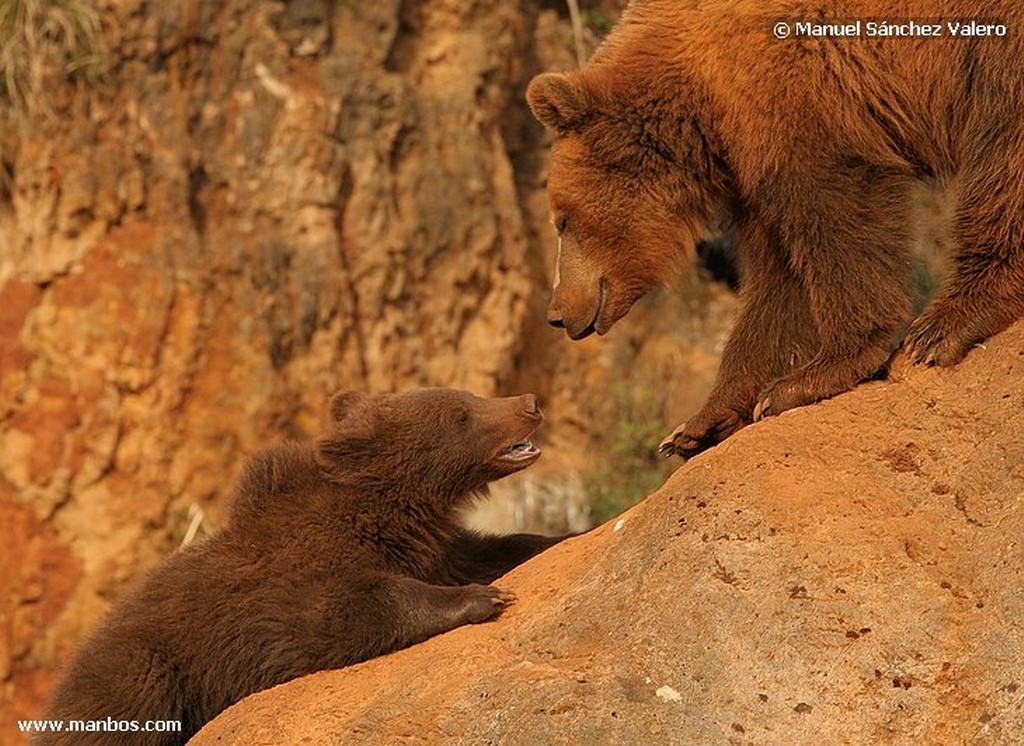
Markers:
783,394
939,337
818,380
707,428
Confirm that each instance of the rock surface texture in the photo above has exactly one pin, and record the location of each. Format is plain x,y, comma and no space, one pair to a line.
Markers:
849,572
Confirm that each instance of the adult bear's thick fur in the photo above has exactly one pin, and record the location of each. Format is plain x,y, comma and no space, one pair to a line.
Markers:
694,116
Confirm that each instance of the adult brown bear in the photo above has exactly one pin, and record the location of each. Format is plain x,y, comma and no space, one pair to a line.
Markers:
335,552
695,116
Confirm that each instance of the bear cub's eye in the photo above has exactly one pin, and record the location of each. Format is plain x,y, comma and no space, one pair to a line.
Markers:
561,223
463,418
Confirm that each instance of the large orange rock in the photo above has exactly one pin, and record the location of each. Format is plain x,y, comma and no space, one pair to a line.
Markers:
849,572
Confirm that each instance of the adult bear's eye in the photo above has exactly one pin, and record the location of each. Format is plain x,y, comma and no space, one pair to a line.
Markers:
561,223
463,418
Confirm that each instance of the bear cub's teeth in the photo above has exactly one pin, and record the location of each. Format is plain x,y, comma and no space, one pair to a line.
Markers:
522,449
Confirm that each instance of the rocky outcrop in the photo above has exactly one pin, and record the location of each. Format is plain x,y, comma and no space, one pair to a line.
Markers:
848,572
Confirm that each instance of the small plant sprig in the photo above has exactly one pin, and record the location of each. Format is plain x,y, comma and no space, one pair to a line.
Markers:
633,468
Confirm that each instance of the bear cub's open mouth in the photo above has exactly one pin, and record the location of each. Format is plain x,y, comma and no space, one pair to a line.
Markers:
519,451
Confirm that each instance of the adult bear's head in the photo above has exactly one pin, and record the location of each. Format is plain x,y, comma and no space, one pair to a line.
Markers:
632,186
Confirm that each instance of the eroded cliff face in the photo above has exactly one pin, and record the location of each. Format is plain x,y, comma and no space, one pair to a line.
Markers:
848,572
258,204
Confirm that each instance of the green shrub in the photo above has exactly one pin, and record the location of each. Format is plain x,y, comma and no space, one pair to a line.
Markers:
633,468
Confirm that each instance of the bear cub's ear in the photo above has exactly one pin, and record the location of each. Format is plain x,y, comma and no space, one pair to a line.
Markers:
559,100
354,428
353,415
346,402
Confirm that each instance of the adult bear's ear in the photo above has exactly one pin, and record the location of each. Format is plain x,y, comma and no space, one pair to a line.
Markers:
559,100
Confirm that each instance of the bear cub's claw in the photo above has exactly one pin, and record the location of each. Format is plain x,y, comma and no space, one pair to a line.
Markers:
487,601
502,597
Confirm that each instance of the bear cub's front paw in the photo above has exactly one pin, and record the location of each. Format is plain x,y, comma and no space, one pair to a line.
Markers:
486,601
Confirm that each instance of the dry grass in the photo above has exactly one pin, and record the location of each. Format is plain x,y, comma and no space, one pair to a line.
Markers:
43,42
576,19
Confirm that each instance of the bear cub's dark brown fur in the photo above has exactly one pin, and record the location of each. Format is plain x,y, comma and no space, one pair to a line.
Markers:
335,552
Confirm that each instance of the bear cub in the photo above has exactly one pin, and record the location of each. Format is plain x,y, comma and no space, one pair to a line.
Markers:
334,552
